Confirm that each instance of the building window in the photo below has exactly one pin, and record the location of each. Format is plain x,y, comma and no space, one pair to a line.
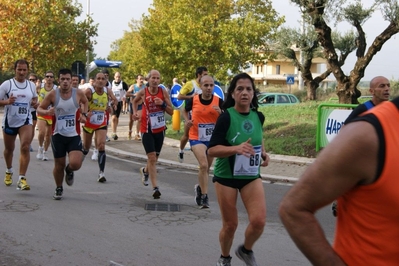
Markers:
257,69
277,69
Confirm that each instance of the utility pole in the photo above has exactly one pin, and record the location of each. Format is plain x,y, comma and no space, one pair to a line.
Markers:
87,51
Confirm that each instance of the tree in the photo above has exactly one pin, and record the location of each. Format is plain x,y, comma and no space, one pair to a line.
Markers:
177,36
43,32
290,40
354,13
128,49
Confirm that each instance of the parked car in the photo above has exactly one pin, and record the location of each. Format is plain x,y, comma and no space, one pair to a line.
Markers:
267,99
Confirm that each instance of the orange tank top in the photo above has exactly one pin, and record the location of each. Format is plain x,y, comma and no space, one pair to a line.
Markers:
204,118
368,221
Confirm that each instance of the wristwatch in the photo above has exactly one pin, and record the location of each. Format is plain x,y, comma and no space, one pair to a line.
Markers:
84,114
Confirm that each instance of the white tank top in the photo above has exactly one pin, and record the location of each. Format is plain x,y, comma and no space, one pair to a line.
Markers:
65,115
18,113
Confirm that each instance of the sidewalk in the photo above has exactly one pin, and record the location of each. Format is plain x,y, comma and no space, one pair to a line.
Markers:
133,148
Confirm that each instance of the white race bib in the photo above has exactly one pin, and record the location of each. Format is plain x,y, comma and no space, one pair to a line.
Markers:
248,166
19,109
66,124
157,120
205,131
97,117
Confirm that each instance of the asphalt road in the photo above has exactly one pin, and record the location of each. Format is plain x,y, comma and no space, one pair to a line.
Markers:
96,224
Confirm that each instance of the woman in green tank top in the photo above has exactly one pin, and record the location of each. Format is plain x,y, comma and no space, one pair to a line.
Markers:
237,144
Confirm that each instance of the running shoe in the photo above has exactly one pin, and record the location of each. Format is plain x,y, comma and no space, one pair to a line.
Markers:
224,261
114,136
144,176
68,176
94,157
101,177
22,184
30,148
156,193
45,158
204,201
107,139
137,137
129,135
8,179
39,154
248,259
58,193
198,193
181,157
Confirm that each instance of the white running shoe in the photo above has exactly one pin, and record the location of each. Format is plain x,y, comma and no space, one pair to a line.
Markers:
45,158
94,157
39,154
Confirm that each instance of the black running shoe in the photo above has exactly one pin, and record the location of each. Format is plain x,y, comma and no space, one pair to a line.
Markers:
58,193
156,193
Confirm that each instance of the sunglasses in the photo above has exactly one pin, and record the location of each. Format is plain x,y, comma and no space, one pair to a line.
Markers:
50,77
32,79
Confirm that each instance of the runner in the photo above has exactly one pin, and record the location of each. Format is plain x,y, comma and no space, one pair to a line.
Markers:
17,96
205,109
44,122
187,92
63,105
156,102
97,120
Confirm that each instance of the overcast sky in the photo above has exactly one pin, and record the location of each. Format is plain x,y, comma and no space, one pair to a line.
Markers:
113,18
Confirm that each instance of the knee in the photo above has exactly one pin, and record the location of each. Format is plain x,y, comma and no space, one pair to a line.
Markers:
230,227
203,166
258,222
152,158
101,146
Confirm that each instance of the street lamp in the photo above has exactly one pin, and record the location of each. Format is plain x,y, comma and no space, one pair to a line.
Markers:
87,51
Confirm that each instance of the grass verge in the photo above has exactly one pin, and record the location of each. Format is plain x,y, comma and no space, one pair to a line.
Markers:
288,130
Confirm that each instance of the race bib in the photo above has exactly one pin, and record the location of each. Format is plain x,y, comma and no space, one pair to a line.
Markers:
248,166
19,109
117,94
205,131
66,124
157,120
97,117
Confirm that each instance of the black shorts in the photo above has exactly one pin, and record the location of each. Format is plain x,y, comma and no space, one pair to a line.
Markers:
62,145
34,116
233,183
118,110
153,142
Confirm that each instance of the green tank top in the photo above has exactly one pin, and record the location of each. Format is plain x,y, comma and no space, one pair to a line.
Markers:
242,127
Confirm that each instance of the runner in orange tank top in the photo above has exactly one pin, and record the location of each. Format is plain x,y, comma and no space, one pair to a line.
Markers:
205,109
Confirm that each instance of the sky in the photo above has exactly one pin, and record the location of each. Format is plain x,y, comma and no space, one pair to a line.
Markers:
113,18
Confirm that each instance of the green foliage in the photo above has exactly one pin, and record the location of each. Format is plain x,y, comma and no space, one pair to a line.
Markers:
43,32
178,36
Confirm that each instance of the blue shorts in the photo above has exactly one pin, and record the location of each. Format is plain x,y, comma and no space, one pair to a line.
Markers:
131,108
13,131
195,142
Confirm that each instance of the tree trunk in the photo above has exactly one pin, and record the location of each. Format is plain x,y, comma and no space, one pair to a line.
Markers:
311,88
348,92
